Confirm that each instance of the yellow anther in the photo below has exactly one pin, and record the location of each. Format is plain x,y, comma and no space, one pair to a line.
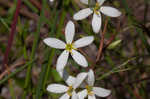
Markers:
96,8
70,47
89,90
70,90
97,4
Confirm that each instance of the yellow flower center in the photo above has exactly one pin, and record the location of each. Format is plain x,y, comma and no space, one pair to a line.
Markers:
70,47
89,89
70,90
96,8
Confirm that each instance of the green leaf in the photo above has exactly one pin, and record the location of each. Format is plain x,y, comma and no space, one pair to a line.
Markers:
56,75
114,44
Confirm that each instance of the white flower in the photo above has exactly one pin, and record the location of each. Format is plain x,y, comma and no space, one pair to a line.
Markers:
96,21
69,91
91,91
51,0
70,47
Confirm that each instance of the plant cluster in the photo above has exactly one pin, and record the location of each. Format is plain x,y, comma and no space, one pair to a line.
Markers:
84,80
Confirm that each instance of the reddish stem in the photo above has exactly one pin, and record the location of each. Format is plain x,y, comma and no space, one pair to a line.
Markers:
36,3
12,33
102,41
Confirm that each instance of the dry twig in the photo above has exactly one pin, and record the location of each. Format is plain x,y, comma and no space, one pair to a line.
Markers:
10,68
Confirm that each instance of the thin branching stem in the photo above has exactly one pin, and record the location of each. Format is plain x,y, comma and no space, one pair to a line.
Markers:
102,41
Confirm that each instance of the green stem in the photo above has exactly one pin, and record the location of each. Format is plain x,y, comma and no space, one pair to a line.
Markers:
31,6
15,72
117,69
35,44
11,89
46,68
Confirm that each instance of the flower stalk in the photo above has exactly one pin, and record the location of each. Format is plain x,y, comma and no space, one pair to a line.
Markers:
12,34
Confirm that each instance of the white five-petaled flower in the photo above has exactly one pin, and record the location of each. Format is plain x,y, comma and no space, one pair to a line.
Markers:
70,47
69,90
90,90
96,21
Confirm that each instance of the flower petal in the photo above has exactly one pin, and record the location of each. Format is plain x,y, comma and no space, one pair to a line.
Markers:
62,60
55,43
82,14
79,58
65,96
63,74
74,95
83,84
84,1
101,92
71,80
69,32
82,94
96,22
91,78
91,97
79,79
57,88
101,1
110,11
83,41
